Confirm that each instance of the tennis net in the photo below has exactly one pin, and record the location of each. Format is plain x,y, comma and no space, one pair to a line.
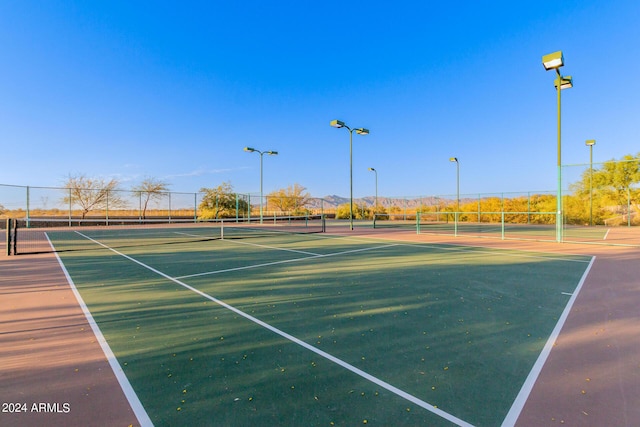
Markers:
34,235
7,232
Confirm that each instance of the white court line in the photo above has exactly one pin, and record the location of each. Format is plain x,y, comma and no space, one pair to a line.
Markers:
253,244
523,395
429,407
129,392
248,267
606,234
516,253
273,247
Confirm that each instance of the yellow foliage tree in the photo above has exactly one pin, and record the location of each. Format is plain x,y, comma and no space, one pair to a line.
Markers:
292,200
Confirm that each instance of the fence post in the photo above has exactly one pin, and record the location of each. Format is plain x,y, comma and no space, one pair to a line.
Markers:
106,212
70,207
28,208
404,202
628,207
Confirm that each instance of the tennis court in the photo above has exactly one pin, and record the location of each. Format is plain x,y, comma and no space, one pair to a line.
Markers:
511,226
314,329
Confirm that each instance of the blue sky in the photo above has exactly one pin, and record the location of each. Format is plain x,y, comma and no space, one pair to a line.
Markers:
175,90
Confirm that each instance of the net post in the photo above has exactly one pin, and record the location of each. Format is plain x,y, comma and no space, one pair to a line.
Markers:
418,215
324,223
9,239
15,237
222,229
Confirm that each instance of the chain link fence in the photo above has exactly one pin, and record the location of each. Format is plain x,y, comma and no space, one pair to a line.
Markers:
605,195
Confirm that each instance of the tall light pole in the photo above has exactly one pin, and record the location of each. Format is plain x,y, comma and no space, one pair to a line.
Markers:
360,131
455,159
271,153
554,61
590,143
376,172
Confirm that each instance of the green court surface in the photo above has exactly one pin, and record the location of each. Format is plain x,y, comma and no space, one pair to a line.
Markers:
320,330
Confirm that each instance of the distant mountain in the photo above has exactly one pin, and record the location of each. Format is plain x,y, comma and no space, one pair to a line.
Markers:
333,201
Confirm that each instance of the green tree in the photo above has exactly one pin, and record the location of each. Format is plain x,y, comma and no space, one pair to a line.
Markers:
221,202
616,178
92,193
150,189
612,190
292,199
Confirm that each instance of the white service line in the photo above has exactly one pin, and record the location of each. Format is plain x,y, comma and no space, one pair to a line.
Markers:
514,253
253,244
273,247
248,267
429,407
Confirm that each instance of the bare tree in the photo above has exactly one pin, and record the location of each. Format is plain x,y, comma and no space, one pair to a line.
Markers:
150,189
92,193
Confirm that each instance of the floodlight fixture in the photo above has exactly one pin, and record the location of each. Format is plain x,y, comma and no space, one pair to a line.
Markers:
337,124
249,149
590,142
566,82
553,60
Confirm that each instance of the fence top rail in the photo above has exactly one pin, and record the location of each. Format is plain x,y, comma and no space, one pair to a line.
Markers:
488,212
